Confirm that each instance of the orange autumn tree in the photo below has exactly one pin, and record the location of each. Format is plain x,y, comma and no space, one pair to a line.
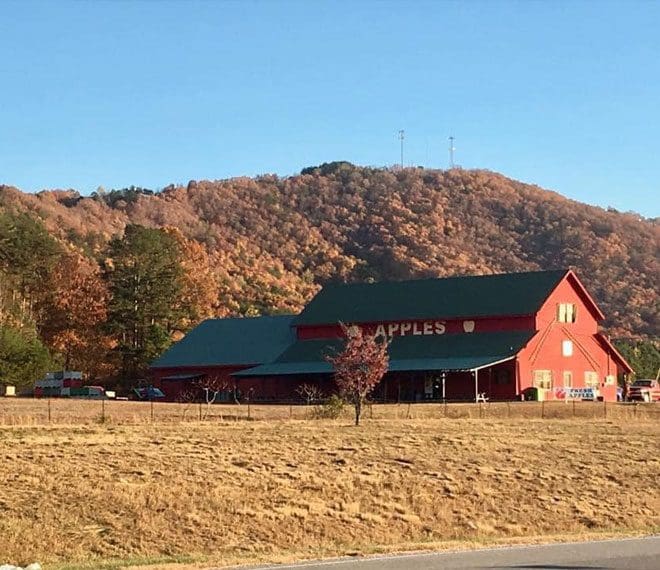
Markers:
360,366
199,293
73,314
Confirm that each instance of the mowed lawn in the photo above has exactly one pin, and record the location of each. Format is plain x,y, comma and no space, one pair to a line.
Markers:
212,493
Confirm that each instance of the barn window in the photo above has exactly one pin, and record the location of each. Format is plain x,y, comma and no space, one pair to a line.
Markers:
568,379
566,312
591,379
571,311
567,348
543,379
561,312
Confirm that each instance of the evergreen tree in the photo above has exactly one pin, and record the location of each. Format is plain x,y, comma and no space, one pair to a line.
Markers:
145,282
28,255
642,355
23,358
27,250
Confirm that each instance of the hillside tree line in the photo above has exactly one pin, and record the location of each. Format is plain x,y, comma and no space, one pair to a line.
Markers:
105,283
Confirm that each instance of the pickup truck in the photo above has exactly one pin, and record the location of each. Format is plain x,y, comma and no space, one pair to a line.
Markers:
644,390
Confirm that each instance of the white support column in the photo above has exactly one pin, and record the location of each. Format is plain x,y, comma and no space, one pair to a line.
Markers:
476,385
444,394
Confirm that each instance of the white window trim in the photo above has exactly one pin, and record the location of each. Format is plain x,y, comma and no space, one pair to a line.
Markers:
543,377
566,312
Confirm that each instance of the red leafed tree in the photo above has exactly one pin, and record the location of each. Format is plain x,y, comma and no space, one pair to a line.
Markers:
360,366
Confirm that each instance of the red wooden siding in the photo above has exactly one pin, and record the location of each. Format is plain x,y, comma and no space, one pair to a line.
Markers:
505,381
454,326
544,352
173,388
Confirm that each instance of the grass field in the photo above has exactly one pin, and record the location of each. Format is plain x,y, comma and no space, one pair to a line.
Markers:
211,493
30,412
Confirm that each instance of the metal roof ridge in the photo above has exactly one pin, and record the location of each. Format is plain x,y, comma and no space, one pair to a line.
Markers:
246,318
333,285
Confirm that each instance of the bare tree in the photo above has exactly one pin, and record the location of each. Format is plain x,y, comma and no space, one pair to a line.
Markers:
310,393
211,386
186,398
360,366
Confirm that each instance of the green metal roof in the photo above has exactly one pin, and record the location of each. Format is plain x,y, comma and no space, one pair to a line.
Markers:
452,297
224,342
433,352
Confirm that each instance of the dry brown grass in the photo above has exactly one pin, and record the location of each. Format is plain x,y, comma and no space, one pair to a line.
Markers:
216,492
32,412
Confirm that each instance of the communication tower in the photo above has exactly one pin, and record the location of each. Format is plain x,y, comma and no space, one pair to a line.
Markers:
452,148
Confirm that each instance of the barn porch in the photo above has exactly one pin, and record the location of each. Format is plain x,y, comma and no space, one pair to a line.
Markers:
432,368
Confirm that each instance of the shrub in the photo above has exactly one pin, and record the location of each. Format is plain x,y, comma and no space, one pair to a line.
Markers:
331,409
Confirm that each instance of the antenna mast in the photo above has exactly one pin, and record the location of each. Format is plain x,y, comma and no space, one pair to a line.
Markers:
401,137
452,148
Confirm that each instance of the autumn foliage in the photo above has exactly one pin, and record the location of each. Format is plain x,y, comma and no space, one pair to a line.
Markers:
360,366
264,245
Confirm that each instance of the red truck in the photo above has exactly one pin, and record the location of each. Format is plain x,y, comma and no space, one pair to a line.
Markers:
644,390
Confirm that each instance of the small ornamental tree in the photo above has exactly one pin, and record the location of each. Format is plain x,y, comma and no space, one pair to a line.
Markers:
360,366
310,393
212,385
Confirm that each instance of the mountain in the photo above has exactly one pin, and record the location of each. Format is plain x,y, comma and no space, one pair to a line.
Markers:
273,241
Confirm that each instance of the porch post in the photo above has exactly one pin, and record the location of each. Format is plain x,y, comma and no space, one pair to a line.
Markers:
476,385
444,395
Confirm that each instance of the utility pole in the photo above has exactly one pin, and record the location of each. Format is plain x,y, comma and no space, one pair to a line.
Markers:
401,137
451,152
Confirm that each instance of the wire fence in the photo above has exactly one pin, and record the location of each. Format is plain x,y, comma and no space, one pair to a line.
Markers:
60,411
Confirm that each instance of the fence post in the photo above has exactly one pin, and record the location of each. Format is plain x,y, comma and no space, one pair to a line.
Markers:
604,409
200,411
573,408
48,410
103,411
543,409
151,410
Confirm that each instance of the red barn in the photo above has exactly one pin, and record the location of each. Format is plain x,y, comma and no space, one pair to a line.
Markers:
219,347
498,336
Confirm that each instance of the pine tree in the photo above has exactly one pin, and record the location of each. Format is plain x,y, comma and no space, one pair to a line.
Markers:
145,282
23,358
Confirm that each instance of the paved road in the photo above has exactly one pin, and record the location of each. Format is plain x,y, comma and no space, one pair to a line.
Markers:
627,554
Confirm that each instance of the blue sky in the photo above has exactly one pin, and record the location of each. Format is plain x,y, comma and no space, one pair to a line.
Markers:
565,95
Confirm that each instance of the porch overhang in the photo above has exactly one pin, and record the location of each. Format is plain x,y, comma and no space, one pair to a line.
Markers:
179,377
438,353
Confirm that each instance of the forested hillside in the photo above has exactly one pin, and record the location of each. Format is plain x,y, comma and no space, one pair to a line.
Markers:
254,246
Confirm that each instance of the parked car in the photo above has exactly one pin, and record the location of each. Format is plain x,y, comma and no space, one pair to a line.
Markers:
644,390
147,393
